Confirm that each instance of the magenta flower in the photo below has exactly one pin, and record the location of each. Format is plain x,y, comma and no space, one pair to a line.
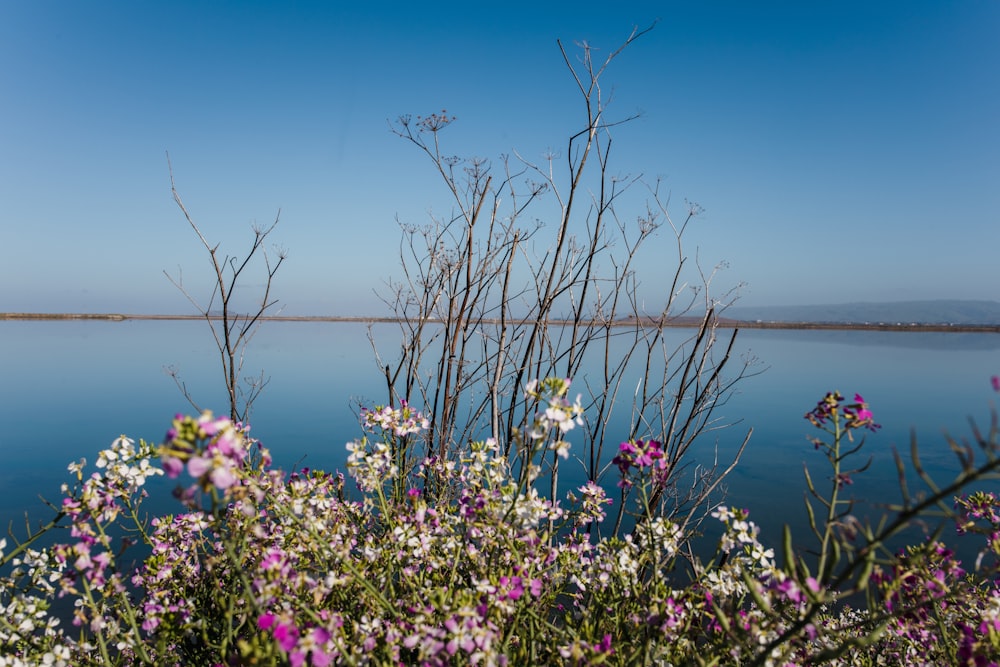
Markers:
287,635
859,416
604,646
995,380
320,637
649,452
510,588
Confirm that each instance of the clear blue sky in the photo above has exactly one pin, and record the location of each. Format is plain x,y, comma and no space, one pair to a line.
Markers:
842,151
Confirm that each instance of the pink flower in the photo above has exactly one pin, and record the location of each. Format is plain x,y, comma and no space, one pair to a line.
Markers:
320,658
511,588
222,477
172,466
286,634
199,465
995,380
210,425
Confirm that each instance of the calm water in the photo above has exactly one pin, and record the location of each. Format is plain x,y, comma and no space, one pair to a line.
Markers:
69,388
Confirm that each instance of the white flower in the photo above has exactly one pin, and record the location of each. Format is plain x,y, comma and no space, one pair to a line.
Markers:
77,468
560,447
723,513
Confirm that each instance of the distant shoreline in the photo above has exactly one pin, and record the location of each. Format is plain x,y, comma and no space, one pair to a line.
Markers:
679,322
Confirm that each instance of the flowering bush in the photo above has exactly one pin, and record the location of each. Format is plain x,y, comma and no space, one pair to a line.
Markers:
311,568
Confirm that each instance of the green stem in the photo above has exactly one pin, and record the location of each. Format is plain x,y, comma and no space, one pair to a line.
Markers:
24,546
831,509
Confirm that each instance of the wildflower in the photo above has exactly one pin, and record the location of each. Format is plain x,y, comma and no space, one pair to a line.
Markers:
286,634
825,409
212,449
77,468
560,447
649,453
370,468
859,416
723,513
510,588
604,646
400,421
592,503
559,413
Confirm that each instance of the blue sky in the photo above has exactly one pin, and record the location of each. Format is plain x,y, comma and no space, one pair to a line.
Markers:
842,151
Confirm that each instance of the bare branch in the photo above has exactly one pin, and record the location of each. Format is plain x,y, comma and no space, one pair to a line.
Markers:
492,297
232,331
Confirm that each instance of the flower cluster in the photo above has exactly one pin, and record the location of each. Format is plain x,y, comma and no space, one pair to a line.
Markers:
370,463
856,415
640,455
212,449
557,415
979,512
593,498
290,569
400,421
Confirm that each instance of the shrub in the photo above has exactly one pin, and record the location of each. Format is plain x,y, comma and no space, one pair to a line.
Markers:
313,568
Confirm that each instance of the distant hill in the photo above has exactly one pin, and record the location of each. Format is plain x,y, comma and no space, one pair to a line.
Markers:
945,311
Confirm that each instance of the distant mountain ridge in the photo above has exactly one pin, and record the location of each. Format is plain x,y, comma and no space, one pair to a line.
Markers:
941,311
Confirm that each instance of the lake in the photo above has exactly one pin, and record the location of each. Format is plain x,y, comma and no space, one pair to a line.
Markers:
70,387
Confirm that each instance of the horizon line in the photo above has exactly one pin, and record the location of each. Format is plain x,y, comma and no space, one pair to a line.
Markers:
681,321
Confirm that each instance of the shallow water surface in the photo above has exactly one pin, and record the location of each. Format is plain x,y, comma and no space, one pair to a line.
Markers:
70,388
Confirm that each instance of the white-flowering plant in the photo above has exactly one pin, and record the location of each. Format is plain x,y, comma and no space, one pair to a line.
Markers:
269,568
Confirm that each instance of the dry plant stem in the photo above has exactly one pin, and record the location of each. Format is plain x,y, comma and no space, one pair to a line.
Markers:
234,330
486,303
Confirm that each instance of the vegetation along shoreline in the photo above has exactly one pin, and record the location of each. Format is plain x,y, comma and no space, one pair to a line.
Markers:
676,322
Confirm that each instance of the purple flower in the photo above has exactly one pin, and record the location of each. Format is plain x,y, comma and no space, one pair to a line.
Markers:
995,380
172,466
626,454
604,646
825,409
